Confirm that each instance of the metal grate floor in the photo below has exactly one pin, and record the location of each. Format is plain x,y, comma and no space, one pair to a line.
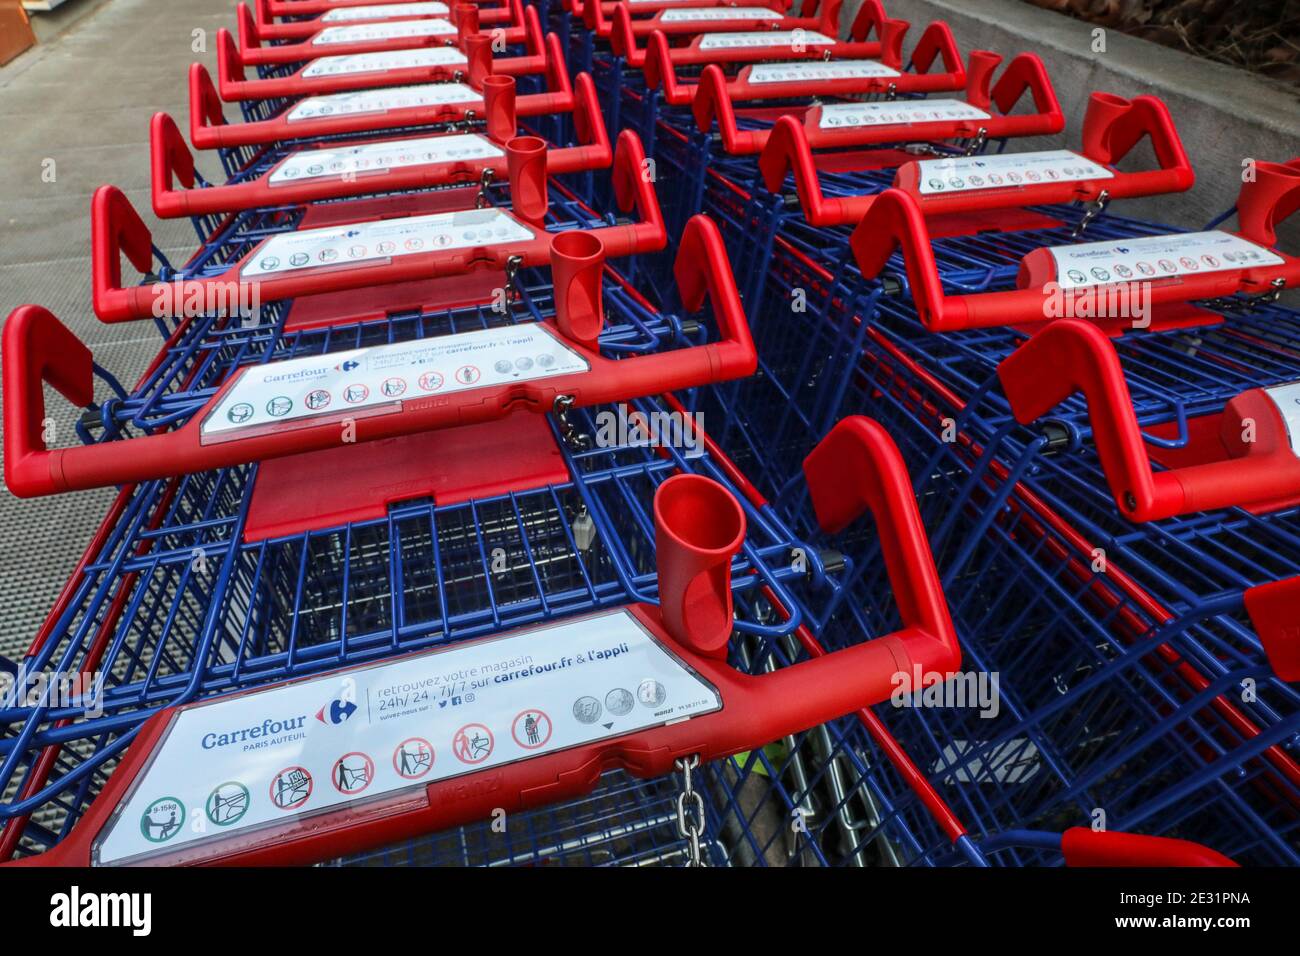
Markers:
82,100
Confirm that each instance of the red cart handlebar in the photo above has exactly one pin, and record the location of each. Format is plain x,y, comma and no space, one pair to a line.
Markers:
797,43
1071,355
117,229
509,13
1111,129
895,220
299,8
312,79
38,348
1082,846
254,53
857,469
714,94
209,129
171,160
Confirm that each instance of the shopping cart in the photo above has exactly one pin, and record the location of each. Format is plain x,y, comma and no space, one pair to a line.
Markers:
303,27
352,39
282,178
1175,268
195,383
1143,669
285,118
264,255
666,77
970,200
576,555
469,58
292,10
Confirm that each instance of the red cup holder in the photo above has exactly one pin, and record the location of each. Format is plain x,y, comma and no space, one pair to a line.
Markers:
577,261
699,527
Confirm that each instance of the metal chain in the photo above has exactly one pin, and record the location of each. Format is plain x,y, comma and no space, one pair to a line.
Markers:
513,263
981,137
690,829
481,200
1251,301
1092,211
572,437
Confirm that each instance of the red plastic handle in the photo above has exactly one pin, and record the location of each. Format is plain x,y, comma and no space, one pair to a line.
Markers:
171,160
870,19
116,228
38,348
233,83
208,130
1268,199
1071,356
895,220
702,266
255,53
857,468
788,147
1082,846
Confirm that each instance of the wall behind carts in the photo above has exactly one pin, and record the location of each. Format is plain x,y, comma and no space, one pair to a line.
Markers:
1224,114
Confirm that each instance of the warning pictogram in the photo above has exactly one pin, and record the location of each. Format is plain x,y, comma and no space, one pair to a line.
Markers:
413,758
162,819
531,729
472,744
352,772
227,804
291,787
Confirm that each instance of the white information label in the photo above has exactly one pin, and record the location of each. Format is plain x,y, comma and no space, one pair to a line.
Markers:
378,157
273,757
897,113
820,70
764,38
387,239
266,395
384,61
1156,257
366,32
969,173
383,100
385,11
1287,400
698,14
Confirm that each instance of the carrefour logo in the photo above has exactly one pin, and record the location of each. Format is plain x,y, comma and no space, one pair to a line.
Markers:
336,711
347,366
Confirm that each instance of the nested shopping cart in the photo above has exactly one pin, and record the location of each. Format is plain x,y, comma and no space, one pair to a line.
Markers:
476,255
350,39
306,251
980,207
773,78
423,105
346,10
1144,668
282,178
556,555
469,57
301,27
